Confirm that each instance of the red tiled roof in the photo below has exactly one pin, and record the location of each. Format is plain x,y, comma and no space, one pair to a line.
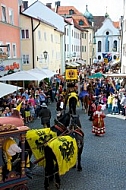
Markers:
98,21
77,16
64,10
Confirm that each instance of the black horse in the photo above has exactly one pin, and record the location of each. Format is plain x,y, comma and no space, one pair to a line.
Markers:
51,169
60,125
72,100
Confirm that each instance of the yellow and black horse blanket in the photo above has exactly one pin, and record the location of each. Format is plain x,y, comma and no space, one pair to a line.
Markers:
75,95
65,149
37,138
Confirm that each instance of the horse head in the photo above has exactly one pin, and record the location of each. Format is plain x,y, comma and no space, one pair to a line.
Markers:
61,124
75,120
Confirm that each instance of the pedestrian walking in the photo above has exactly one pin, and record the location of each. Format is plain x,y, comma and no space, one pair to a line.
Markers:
45,115
123,104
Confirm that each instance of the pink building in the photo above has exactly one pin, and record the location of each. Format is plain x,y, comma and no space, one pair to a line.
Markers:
10,37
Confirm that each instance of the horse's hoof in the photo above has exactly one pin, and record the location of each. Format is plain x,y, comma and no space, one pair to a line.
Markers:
79,169
57,185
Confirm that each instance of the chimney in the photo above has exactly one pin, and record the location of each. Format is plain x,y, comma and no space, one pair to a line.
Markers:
25,5
57,3
49,5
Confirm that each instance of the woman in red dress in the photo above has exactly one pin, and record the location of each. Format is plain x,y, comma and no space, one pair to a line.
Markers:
98,121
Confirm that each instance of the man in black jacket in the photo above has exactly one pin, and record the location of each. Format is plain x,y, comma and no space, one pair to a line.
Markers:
45,115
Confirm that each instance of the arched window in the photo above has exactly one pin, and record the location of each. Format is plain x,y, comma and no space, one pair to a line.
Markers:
107,42
99,46
115,45
99,57
114,57
81,22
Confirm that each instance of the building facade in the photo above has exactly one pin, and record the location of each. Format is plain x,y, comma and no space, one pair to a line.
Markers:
42,38
107,41
10,53
123,39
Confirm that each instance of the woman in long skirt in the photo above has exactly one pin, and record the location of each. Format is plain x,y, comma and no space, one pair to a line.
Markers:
98,121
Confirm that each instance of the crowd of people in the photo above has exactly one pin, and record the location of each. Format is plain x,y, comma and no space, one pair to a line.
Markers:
32,101
103,91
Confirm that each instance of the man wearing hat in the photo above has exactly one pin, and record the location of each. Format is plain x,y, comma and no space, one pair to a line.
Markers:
45,115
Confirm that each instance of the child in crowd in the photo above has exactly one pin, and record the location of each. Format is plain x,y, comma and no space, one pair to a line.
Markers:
32,111
115,105
27,112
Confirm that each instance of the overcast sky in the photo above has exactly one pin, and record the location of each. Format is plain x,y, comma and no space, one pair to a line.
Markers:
96,7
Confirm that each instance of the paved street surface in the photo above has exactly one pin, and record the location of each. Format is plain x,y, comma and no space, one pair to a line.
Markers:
103,158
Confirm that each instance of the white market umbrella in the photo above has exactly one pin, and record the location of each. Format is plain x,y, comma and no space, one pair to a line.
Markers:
23,76
6,89
48,73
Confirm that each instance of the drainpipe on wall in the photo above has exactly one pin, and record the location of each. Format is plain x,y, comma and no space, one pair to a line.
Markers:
33,44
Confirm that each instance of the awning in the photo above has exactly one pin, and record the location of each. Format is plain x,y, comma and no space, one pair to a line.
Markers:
82,62
115,63
6,89
73,64
116,75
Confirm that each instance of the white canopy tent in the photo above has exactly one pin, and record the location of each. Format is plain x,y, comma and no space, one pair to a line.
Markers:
24,76
6,89
82,62
48,73
72,64
116,75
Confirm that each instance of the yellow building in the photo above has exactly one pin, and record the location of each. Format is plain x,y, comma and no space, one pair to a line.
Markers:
41,38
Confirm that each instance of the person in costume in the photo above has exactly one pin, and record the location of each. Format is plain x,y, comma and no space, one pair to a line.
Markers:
83,91
92,109
12,156
98,121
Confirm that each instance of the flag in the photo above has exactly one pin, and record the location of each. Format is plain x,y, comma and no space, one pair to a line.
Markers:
107,57
19,107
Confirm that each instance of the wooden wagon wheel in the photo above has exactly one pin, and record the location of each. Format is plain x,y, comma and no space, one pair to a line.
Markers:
20,187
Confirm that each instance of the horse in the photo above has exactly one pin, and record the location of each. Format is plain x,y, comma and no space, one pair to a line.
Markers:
84,98
85,103
43,143
62,153
72,100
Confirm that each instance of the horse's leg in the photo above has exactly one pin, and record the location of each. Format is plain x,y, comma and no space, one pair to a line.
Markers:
49,166
57,178
82,103
50,169
79,167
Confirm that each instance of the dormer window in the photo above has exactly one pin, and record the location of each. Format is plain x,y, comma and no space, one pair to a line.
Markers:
81,22
71,12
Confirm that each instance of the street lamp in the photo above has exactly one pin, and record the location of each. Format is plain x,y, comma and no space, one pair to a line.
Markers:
45,53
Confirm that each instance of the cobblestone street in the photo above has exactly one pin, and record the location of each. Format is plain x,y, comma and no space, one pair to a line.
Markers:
103,158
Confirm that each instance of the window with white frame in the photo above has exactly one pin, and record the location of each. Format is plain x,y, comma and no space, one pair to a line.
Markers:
4,15
11,16
45,36
24,34
9,50
25,59
51,37
1,49
14,50
39,35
